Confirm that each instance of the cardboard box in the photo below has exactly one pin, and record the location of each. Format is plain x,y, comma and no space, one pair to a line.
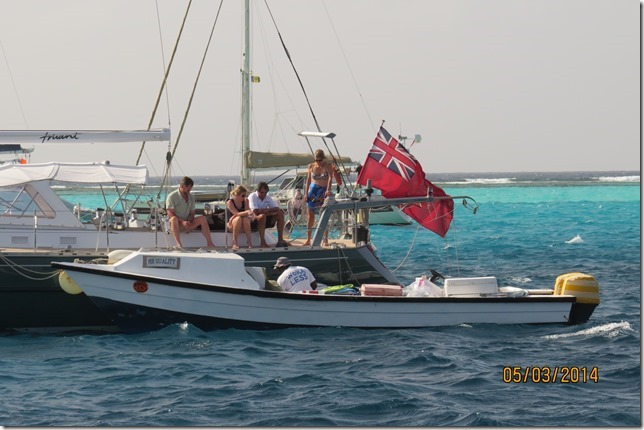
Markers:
380,290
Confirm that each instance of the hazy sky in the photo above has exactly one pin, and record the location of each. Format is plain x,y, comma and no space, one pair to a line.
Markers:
492,86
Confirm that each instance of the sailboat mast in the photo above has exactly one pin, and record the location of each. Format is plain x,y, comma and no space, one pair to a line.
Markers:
245,171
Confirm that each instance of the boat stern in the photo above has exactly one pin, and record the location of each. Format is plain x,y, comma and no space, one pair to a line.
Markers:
585,288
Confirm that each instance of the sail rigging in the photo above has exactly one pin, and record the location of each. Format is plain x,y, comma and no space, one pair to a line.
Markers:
255,160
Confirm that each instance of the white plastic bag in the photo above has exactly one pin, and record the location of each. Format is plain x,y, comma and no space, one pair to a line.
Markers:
422,287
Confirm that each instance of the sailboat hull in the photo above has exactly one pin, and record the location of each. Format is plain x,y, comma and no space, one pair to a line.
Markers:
32,300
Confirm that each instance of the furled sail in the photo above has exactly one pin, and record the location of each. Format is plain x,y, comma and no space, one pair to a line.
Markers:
279,160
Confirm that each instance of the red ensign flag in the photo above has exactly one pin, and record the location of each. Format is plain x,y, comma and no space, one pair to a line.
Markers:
396,173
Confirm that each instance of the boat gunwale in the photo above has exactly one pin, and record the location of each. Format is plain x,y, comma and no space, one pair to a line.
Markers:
268,294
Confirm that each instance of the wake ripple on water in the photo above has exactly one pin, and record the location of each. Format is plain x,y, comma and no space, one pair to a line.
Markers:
610,330
576,239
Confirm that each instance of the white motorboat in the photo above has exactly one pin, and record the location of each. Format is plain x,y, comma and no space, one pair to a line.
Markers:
147,290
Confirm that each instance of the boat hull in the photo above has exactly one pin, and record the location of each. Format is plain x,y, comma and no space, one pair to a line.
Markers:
388,215
32,300
208,307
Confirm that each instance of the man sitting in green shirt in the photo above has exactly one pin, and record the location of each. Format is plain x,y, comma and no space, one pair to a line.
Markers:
180,205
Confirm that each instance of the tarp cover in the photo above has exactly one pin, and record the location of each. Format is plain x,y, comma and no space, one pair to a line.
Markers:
86,173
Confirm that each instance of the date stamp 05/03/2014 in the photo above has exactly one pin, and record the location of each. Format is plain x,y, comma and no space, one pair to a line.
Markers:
550,374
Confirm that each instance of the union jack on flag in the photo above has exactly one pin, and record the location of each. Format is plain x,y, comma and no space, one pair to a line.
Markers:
393,155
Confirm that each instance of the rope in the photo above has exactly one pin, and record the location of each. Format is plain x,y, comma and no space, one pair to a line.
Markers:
458,265
344,55
411,246
17,268
338,160
455,242
163,86
13,82
165,76
342,256
194,88
192,94
167,94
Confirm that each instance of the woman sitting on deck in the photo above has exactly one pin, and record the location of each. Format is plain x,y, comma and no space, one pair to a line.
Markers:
239,215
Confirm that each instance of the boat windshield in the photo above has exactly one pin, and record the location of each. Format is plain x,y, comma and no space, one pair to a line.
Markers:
21,201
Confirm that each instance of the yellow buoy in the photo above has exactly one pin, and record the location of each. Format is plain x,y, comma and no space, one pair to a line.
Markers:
67,284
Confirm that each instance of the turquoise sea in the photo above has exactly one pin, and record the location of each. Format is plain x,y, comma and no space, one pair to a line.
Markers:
529,229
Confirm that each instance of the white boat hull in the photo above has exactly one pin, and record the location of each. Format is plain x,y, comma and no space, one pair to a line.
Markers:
225,303
388,215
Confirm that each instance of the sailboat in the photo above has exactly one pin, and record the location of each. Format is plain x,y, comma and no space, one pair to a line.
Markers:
254,161
38,227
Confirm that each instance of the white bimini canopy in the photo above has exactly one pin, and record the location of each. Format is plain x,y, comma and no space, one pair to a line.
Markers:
85,173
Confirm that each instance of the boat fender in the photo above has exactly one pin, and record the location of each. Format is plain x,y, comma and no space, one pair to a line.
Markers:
581,285
67,283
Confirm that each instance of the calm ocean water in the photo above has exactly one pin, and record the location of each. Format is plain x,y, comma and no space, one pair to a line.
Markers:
528,230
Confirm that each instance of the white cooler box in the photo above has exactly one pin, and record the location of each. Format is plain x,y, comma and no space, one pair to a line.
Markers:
470,286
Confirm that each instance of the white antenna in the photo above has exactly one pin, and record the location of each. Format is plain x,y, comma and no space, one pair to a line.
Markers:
321,134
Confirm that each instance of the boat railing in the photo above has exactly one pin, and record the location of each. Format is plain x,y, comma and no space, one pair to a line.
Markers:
352,206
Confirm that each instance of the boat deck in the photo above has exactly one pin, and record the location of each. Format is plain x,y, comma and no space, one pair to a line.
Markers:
294,243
